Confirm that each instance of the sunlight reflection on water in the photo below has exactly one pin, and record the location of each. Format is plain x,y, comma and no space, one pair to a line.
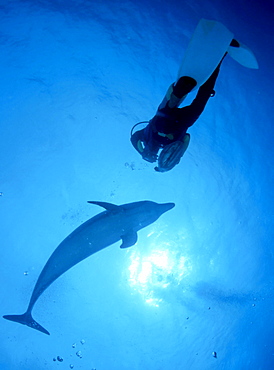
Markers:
162,266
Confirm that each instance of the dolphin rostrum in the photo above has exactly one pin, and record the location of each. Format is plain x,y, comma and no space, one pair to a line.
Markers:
102,230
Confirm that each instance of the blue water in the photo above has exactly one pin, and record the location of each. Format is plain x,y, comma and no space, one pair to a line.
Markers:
75,77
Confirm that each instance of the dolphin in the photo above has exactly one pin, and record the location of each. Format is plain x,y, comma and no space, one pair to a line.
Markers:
99,232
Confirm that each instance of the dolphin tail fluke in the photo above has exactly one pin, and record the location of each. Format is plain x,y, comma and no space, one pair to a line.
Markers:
26,319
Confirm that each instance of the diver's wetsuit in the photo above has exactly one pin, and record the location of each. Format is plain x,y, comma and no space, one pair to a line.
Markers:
170,124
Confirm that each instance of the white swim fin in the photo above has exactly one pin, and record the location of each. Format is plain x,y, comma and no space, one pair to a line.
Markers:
243,55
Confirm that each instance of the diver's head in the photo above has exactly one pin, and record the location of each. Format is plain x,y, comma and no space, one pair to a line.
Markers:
148,155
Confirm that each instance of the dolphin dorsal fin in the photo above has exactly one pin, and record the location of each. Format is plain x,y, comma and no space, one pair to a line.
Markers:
107,206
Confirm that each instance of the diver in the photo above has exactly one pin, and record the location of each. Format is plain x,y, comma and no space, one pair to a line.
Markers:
167,130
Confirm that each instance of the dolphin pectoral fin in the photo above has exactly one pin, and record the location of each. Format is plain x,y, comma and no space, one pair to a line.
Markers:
26,319
129,239
107,206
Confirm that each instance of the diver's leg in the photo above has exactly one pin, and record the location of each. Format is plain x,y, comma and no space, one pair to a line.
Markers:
190,114
204,93
177,92
180,90
207,89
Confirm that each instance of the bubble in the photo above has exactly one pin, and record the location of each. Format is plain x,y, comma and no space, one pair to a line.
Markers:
79,354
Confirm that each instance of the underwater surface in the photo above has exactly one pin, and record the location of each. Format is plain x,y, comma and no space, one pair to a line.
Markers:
196,291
